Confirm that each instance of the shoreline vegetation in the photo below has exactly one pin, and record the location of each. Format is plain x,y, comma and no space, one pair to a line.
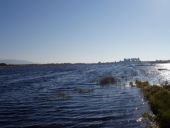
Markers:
158,98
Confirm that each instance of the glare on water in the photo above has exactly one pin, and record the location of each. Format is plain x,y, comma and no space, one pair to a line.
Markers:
164,70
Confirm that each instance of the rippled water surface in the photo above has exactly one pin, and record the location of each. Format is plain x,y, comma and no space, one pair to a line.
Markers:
68,96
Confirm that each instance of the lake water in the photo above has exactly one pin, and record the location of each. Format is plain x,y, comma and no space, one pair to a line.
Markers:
69,96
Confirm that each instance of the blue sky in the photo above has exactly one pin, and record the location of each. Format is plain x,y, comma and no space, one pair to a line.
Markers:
56,31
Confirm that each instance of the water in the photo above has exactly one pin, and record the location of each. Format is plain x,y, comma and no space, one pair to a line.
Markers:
68,96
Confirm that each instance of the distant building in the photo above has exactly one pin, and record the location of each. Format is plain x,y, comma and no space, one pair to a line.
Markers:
131,60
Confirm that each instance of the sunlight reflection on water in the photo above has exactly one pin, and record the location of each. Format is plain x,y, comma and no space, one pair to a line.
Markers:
164,70
166,66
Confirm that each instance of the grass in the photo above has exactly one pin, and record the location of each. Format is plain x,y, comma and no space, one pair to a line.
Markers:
159,100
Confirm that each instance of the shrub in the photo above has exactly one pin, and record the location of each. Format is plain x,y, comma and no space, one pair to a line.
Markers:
141,84
159,100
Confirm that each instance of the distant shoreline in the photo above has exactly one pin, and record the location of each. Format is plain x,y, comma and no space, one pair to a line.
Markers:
59,64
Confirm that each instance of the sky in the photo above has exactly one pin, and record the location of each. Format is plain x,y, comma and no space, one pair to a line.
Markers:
61,31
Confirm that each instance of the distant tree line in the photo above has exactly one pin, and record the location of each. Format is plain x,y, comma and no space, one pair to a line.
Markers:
3,64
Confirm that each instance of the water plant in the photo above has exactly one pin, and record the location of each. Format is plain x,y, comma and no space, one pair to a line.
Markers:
131,84
61,95
107,80
84,90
